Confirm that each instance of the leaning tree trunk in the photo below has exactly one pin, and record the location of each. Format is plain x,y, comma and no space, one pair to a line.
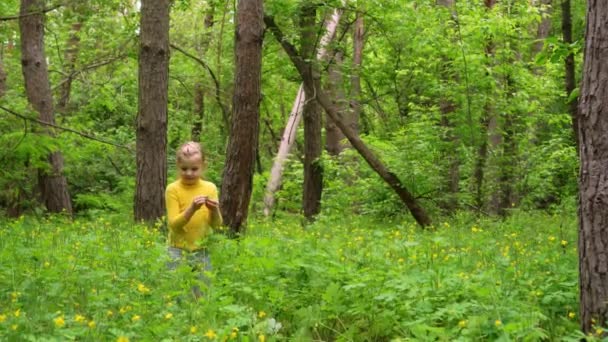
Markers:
289,134
151,134
242,144
52,182
312,83
593,188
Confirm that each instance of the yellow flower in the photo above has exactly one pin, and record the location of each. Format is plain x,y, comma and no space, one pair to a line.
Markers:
169,316
14,327
551,238
122,339
571,315
142,288
2,318
17,312
109,313
47,264
79,318
210,334
193,329
462,323
135,318
497,323
564,243
262,338
599,331
92,324
59,322
261,314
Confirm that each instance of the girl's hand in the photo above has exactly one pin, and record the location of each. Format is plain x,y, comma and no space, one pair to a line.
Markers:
198,202
211,204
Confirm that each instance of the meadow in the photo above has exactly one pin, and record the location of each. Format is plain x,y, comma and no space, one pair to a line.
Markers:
355,279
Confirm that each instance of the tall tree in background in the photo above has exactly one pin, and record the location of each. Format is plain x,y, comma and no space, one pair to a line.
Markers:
75,9
569,66
593,188
199,92
313,168
52,182
237,181
151,134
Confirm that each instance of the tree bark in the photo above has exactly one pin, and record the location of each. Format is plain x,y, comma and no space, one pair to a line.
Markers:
544,27
593,187
312,83
243,140
289,133
52,183
151,134
313,168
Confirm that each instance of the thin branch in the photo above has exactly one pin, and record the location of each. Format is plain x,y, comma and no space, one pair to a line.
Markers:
215,81
84,135
15,17
86,68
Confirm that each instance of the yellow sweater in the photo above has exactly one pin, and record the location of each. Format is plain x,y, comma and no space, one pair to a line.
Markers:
178,197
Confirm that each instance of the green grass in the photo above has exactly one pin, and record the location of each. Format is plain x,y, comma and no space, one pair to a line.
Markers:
351,280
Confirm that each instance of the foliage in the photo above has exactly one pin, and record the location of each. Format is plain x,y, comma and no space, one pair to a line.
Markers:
466,279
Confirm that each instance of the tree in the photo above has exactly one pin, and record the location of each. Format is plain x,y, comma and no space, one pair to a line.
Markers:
151,134
289,133
312,83
237,179
52,183
569,66
313,169
593,190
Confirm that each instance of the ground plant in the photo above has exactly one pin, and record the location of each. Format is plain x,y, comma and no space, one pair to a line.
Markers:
464,279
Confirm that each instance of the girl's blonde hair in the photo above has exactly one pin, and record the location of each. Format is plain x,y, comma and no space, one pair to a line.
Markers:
188,150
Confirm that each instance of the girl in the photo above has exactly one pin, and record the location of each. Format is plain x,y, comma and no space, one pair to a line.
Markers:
192,212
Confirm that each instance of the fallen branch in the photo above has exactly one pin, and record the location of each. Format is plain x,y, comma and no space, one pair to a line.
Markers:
18,16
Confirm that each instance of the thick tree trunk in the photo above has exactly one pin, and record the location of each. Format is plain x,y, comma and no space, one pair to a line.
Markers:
312,83
242,144
570,66
313,168
52,182
289,133
151,134
593,196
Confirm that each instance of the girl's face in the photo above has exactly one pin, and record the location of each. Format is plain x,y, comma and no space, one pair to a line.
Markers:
190,169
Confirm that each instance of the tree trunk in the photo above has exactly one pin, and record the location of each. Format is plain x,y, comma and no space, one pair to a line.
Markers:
198,112
70,56
313,168
593,189
2,78
334,138
243,140
447,109
289,134
570,66
199,92
312,83
543,28
355,78
52,183
151,134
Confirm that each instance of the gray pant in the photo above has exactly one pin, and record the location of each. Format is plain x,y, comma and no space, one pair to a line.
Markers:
198,260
